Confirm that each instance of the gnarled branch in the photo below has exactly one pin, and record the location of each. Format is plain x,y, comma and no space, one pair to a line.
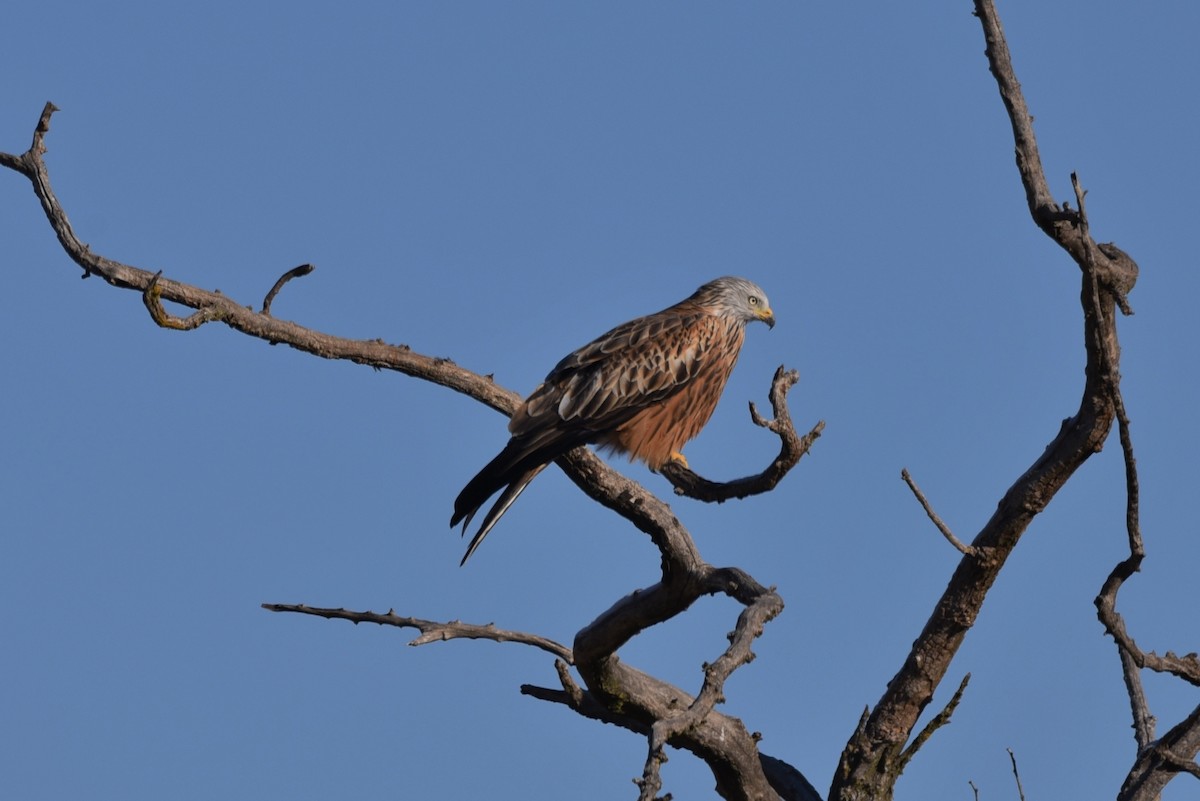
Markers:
691,723
792,448
218,307
873,757
1162,760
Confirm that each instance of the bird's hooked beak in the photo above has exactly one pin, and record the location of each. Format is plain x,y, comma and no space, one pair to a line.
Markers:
767,316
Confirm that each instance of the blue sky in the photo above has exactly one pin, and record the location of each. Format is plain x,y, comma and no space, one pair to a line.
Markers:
499,183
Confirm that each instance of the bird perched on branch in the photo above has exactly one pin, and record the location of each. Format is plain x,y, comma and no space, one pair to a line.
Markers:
645,388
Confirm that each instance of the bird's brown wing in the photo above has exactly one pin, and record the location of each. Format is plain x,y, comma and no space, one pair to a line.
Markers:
590,394
612,378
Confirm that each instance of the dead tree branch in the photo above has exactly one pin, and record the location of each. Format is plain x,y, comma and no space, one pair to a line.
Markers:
614,691
431,630
671,715
788,782
215,307
938,721
762,606
1016,774
872,759
792,448
958,544
1162,760
295,272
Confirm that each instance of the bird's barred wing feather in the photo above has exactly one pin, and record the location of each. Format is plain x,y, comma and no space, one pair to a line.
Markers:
611,379
644,388
587,395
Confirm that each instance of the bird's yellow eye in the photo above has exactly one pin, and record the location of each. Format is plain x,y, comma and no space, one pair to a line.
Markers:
753,300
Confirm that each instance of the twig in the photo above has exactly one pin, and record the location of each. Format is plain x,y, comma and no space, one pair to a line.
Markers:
295,272
1157,762
938,720
568,684
431,631
651,781
792,448
585,704
937,521
1016,775
1122,285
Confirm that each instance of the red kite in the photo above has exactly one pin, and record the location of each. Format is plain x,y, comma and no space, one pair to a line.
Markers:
644,388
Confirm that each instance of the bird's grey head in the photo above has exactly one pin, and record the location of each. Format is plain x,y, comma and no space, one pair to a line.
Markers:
736,297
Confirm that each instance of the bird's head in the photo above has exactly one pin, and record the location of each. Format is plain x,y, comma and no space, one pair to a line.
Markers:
737,297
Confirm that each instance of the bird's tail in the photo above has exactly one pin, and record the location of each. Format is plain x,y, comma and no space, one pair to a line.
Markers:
494,475
511,470
506,499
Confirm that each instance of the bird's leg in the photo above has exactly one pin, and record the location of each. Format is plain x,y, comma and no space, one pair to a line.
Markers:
676,456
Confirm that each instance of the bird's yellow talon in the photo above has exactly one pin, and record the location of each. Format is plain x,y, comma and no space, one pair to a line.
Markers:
676,456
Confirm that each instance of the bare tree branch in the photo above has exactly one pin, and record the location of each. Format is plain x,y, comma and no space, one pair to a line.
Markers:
295,272
1162,760
761,607
691,723
788,782
871,761
958,544
1016,774
216,307
792,448
1061,224
152,298
585,704
938,720
1158,762
431,630
673,728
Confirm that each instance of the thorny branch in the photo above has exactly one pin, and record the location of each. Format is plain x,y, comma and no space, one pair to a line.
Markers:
615,692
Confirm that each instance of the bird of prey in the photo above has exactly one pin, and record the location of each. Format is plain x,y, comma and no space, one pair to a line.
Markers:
644,389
